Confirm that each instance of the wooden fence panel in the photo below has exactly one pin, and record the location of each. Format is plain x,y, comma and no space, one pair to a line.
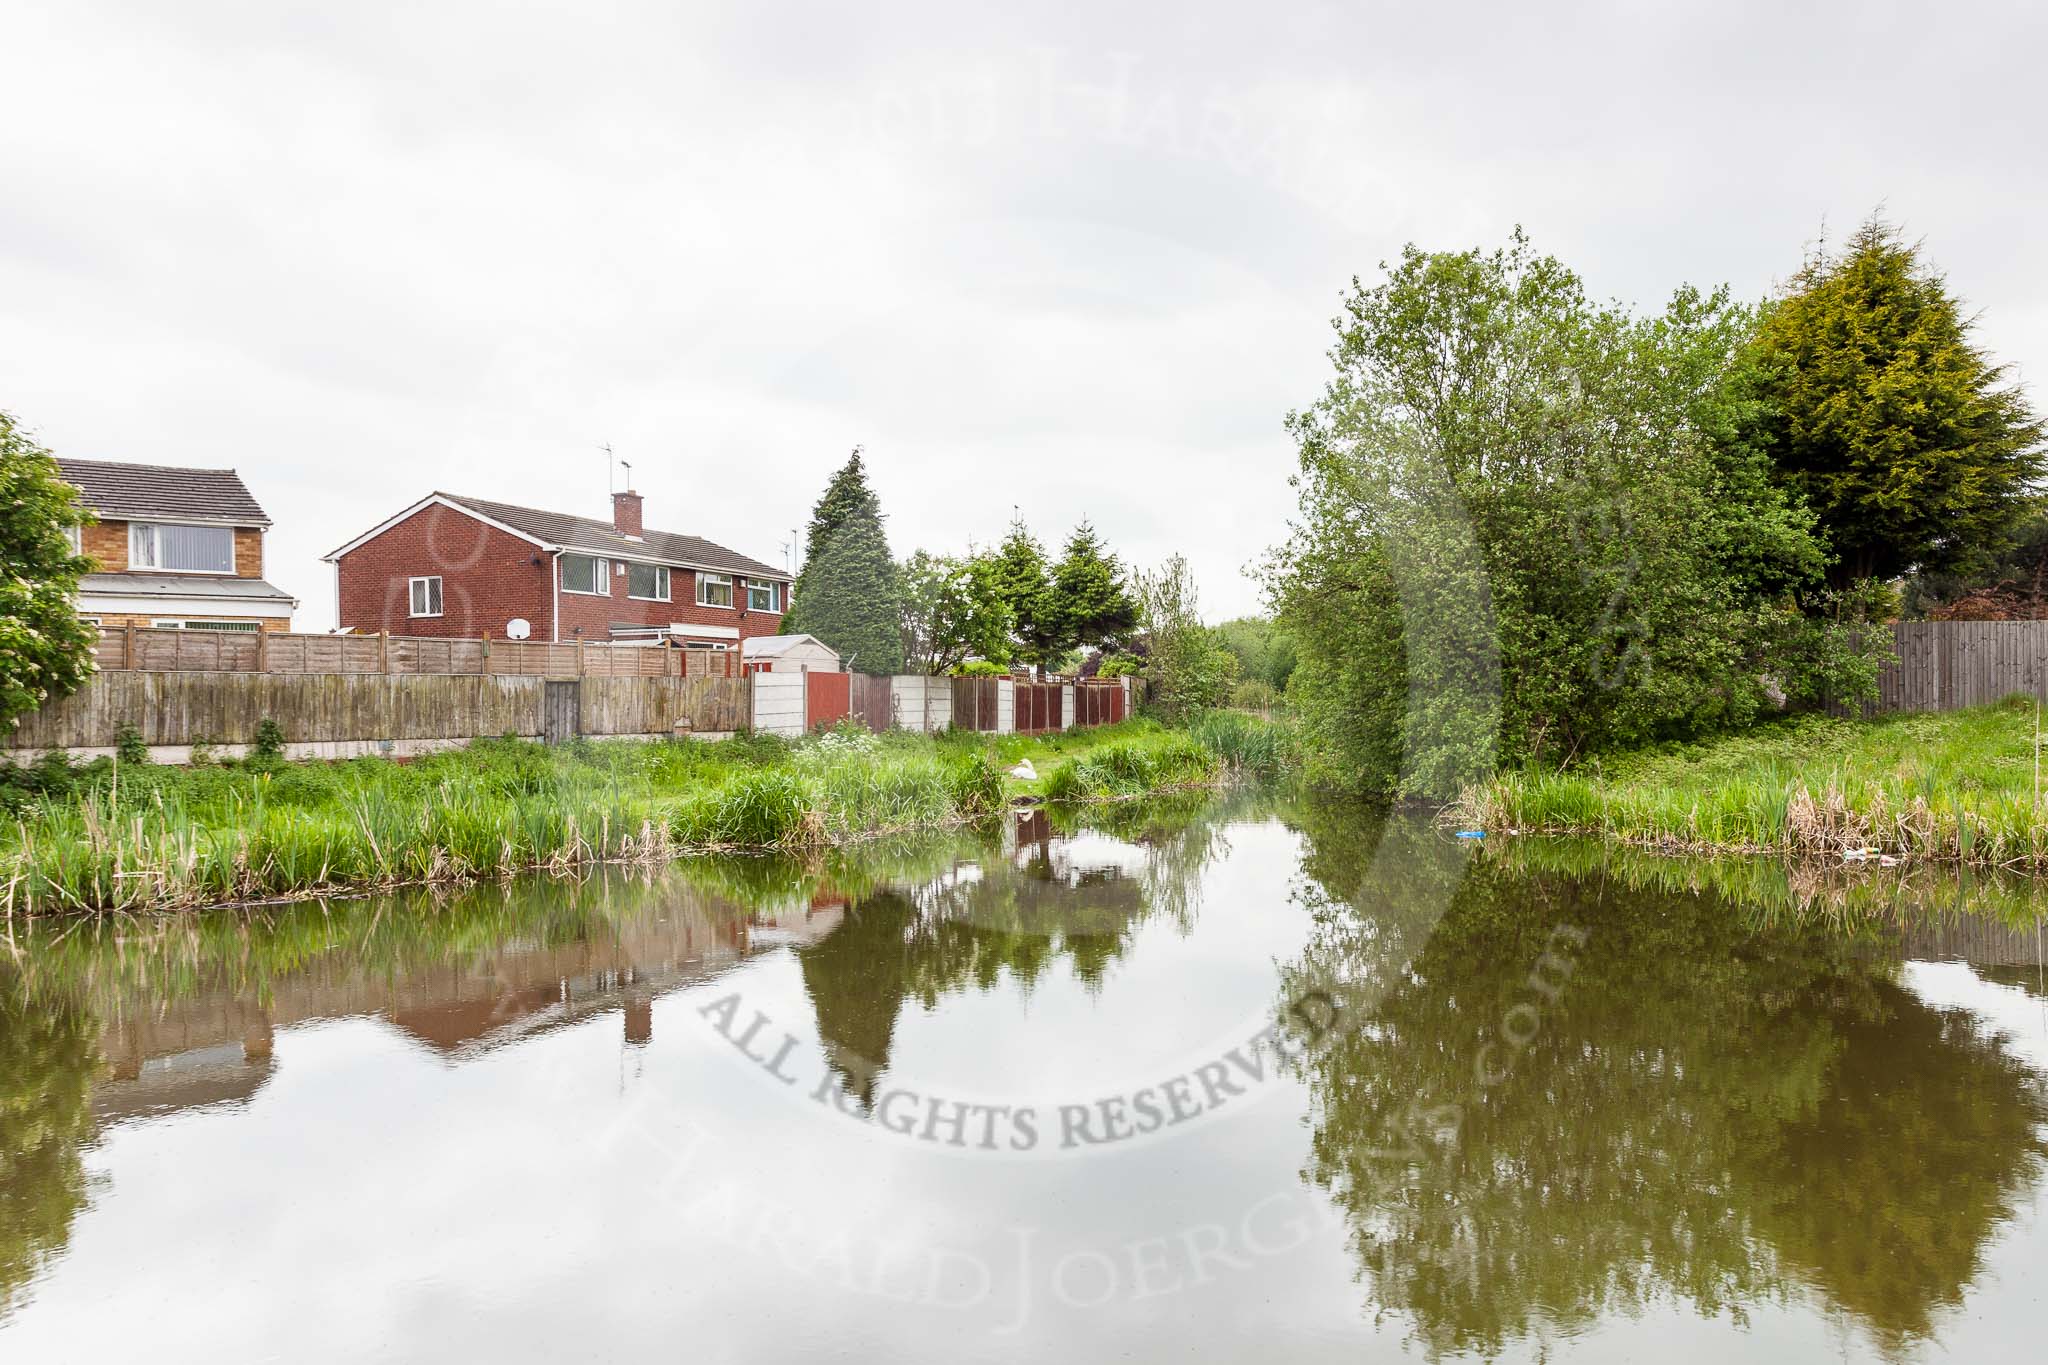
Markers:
975,703
652,706
1946,665
188,707
155,650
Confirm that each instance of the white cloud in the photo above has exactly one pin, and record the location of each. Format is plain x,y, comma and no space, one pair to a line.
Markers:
1081,263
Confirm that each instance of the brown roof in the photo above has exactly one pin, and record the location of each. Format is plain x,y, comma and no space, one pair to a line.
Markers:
141,491
585,533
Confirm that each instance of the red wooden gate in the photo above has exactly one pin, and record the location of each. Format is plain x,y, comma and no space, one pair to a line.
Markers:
827,699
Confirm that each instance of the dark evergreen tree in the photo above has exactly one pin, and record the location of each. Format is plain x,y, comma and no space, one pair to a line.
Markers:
1090,603
849,594
1905,439
1023,586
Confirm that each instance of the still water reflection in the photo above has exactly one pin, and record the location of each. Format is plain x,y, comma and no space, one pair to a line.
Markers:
1180,1081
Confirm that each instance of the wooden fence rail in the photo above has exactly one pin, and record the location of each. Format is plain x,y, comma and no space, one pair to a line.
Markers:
152,650
337,714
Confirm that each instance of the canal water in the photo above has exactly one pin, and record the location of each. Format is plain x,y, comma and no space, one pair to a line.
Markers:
1210,1081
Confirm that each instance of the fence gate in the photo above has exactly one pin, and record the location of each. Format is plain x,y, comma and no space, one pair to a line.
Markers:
869,701
827,699
561,715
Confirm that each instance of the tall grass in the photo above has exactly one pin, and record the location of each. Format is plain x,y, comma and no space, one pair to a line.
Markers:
148,837
1957,787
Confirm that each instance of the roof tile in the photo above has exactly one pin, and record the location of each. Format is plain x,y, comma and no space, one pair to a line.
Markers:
586,533
133,491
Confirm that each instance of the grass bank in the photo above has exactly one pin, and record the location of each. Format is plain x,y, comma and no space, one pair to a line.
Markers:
114,837
1963,787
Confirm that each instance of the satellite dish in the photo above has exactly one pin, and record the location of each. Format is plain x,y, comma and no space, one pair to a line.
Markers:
518,628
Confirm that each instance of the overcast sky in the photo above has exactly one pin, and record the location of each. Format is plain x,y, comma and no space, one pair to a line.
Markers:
1075,262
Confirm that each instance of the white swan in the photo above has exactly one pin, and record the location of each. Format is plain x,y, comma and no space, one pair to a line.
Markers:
1024,772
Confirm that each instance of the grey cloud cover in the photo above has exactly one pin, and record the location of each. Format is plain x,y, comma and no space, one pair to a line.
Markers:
1073,259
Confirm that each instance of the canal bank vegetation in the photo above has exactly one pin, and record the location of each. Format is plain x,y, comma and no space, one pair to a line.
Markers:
1537,530
110,835
1964,787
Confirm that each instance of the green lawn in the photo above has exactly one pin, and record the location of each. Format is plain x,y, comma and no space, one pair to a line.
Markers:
1962,786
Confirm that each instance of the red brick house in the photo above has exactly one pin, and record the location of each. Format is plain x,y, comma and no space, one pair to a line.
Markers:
451,565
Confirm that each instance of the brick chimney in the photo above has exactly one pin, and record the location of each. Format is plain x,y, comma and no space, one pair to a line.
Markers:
626,513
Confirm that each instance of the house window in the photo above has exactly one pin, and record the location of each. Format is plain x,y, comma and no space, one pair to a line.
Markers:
762,596
426,596
647,581
72,539
582,573
171,548
181,624
714,590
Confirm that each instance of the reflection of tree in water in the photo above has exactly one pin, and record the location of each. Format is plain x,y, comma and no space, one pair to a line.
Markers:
47,1060
1705,1110
1019,909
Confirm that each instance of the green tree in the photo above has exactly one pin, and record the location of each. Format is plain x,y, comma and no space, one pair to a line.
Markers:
1906,439
45,650
1264,650
1186,665
1024,586
849,592
1528,531
952,612
1088,598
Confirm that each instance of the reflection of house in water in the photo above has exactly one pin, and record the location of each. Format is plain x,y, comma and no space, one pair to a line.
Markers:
215,1047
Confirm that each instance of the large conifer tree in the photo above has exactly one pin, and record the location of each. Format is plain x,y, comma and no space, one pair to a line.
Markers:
848,594
1090,601
1904,438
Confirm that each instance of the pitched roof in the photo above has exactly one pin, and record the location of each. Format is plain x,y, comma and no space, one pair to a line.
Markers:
584,533
153,490
767,645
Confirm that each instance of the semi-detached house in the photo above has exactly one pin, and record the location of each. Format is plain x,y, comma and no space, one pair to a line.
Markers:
173,547
454,565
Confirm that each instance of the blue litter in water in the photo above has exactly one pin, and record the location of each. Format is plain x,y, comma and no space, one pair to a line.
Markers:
1471,834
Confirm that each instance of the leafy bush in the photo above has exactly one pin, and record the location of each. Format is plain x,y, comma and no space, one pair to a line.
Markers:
129,748
269,743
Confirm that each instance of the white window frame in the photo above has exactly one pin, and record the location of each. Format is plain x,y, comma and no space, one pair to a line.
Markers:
601,583
436,595
707,580
74,537
774,595
138,530
202,623
663,578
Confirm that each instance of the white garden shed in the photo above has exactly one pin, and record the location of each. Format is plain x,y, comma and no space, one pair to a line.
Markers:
789,654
